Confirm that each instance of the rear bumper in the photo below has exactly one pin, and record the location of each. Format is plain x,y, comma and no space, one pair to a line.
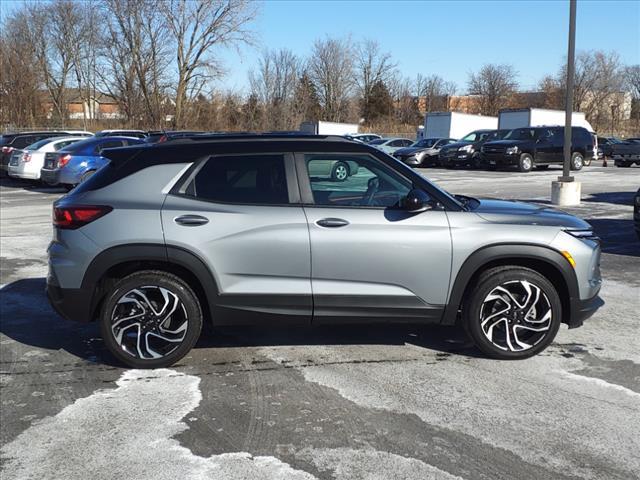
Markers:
70,303
581,310
52,177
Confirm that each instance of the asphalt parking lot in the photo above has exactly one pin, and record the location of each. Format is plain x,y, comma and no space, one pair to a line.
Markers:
384,402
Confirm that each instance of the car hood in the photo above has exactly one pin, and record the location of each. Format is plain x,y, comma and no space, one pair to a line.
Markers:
456,145
409,150
511,212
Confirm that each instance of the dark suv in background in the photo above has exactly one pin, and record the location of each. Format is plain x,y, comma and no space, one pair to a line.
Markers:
466,151
538,147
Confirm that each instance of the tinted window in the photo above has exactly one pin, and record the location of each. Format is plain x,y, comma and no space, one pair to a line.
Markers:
40,143
520,134
378,141
256,179
21,142
369,183
63,144
109,144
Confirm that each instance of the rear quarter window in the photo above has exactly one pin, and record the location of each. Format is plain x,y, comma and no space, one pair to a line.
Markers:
251,179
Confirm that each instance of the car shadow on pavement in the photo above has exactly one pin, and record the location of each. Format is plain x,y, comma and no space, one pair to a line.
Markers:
616,198
618,235
26,317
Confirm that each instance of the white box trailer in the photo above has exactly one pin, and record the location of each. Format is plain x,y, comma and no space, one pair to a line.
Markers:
456,125
328,128
537,117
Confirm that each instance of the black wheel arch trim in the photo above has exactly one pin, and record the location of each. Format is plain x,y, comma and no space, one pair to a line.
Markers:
142,252
489,254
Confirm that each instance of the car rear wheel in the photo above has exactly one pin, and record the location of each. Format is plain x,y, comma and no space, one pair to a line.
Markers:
525,164
340,172
87,176
512,313
150,319
577,161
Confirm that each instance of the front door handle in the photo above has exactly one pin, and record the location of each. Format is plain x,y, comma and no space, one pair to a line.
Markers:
332,222
191,220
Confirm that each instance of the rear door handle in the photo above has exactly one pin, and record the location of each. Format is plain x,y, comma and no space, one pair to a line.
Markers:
191,220
332,222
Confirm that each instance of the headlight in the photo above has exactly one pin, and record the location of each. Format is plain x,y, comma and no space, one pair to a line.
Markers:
466,148
512,150
583,234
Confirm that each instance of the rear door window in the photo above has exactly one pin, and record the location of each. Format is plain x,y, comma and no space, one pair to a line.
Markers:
244,179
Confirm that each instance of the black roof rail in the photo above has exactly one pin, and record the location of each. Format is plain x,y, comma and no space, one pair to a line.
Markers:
214,136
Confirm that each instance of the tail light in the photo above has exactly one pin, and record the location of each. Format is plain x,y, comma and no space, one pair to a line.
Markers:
26,157
162,139
70,218
7,149
63,160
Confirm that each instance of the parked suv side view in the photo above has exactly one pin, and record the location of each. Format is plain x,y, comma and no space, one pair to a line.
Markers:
236,230
539,147
466,151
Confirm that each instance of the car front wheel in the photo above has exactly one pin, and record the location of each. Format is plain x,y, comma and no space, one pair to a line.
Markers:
525,164
513,313
150,319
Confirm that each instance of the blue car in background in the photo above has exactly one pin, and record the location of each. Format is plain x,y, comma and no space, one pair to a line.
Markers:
77,162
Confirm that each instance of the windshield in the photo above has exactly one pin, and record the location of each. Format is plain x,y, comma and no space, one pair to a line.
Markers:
425,143
379,141
474,136
520,134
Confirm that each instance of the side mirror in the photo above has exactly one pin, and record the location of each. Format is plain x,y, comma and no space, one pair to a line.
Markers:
417,201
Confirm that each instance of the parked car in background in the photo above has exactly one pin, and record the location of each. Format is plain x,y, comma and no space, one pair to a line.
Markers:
18,141
363,137
466,151
27,163
121,133
626,153
526,148
423,152
390,145
335,169
606,144
78,162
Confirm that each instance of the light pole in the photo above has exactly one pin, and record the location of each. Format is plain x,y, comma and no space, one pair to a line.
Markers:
566,191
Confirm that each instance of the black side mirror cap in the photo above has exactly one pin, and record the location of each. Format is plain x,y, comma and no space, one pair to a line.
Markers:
417,201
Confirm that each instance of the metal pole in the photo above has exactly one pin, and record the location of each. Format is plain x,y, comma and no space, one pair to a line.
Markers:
569,98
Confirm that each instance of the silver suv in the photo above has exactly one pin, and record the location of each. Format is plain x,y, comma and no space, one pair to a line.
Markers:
239,230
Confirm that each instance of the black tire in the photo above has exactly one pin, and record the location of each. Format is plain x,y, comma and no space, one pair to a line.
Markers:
623,164
188,312
525,163
577,161
340,172
87,176
542,167
475,307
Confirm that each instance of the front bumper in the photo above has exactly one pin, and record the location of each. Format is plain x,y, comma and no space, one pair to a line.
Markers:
581,310
500,159
411,160
454,157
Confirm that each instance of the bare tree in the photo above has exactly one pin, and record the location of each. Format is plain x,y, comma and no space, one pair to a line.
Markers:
372,70
138,56
330,69
494,84
197,27
632,79
435,91
20,101
306,103
274,84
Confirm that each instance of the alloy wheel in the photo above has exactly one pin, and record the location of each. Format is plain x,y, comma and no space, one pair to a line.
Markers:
516,315
149,322
341,172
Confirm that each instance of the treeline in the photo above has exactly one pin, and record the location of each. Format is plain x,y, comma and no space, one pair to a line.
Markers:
159,61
